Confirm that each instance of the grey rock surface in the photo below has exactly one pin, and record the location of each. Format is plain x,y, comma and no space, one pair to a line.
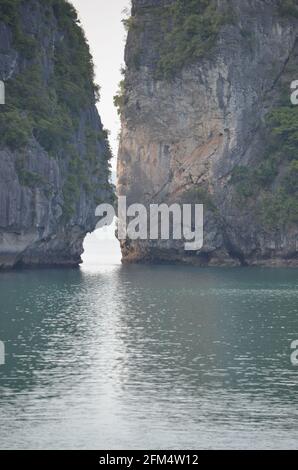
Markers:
33,228
191,132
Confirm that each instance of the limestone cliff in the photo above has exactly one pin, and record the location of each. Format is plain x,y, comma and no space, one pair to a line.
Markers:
207,118
54,153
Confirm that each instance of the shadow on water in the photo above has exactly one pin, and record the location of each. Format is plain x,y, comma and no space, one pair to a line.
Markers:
148,357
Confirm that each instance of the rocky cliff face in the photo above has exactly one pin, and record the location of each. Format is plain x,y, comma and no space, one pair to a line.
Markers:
207,118
54,154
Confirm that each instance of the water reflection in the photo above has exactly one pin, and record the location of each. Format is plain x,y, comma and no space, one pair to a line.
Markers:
101,248
148,357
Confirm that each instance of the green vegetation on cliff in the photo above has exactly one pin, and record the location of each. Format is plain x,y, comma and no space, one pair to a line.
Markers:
9,14
288,8
48,106
189,30
51,93
119,98
274,181
185,32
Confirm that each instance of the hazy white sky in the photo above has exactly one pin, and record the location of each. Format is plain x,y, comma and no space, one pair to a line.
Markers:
101,20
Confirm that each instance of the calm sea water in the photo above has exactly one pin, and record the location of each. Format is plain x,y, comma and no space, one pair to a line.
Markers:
149,357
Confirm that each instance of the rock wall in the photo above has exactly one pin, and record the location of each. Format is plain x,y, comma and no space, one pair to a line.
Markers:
54,153
191,136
